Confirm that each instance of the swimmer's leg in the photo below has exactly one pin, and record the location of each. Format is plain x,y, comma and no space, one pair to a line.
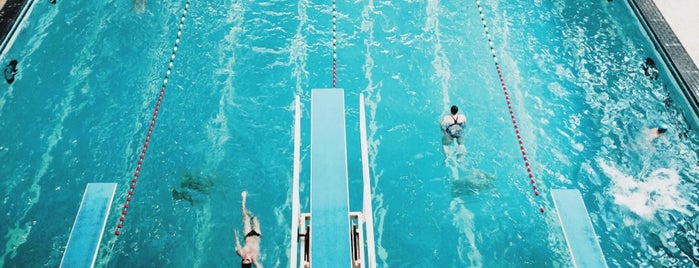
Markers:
447,152
461,149
447,140
256,225
246,215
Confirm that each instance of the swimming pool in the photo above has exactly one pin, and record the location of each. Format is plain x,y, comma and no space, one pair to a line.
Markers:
90,73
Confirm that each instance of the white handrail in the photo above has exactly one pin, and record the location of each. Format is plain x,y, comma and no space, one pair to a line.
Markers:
295,204
367,209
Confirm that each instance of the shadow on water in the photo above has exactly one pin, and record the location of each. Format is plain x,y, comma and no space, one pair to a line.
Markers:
193,189
470,181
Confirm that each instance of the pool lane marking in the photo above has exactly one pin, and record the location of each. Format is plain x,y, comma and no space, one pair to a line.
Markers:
152,123
334,45
509,104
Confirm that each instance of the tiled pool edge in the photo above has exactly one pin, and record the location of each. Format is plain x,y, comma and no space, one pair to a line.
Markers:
11,16
675,55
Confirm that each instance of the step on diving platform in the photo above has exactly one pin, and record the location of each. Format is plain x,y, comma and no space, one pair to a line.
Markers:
85,238
330,235
580,235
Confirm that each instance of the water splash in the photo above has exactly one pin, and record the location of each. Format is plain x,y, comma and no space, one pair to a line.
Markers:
645,195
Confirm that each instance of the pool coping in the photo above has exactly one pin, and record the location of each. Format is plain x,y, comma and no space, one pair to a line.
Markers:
666,42
12,13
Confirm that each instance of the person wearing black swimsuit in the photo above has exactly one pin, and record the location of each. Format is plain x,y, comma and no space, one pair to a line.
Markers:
251,228
452,128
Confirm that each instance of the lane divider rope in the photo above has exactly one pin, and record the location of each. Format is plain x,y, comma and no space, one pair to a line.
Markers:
334,44
509,104
152,123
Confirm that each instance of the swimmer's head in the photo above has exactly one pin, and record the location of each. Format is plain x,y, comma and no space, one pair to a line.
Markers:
454,109
662,130
246,262
650,61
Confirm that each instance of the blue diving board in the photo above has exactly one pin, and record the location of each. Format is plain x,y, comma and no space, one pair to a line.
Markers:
330,242
85,238
580,235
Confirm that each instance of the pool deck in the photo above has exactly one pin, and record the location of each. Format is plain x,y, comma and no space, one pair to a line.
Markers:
682,17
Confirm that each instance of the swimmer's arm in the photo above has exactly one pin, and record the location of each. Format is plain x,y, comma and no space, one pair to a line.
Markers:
237,243
257,264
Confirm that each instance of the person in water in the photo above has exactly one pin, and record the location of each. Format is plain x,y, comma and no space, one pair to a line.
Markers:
656,132
649,69
251,228
10,71
139,5
452,128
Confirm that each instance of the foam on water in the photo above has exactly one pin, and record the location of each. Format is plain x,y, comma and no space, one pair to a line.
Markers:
463,218
217,129
298,50
645,194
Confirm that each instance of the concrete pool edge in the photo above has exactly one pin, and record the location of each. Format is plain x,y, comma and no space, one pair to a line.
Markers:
674,54
12,13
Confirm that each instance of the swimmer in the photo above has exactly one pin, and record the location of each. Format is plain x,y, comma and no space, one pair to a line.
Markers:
649,69
656,132
11,71
452,129
251,228
139,5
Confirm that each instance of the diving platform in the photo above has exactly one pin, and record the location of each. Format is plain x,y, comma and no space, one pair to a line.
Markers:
329,189
582,241
330,235
83,243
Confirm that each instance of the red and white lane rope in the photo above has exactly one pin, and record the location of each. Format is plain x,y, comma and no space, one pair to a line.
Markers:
152,123
334,44
509,104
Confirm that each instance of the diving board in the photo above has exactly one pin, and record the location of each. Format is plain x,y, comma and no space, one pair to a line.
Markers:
580,235
329,190
85,238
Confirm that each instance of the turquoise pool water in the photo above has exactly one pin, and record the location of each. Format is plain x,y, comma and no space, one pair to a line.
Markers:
90,74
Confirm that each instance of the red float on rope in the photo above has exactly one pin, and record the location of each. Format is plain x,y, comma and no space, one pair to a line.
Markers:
152,122
509,103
